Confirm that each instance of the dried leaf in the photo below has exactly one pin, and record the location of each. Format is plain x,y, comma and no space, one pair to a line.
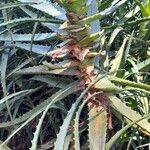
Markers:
97,128
59,52
79,53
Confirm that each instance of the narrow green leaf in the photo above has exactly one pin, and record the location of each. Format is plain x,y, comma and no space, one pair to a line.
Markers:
44,70
130,114
27,37
12,5
51,9
13,95
113,35
38,127
4,147
52,81
122,131
22,20
119,56
71,88
60,142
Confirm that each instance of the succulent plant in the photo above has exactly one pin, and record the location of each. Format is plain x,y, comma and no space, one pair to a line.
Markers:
86,49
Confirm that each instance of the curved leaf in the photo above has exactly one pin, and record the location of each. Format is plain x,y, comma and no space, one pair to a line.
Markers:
97,127
130,114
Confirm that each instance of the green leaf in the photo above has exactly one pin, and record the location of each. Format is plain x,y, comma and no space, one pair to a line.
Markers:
12,5
4,147
90,38
25,20
119,57
106,85
27,37
76,120
142,8
60,142
38,127
106,12
52,81
130,114
142,66
4,62
41,70
71,88
122,131
19,67
51,9
6,98
39,49
124,82
113,35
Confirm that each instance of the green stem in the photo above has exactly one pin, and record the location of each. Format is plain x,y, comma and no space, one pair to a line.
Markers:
129,83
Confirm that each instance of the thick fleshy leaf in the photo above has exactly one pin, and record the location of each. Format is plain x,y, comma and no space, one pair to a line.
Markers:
45,70
38,127
39,49
52,81
55,27
13,95
106,85
69,89
119,57
122,131
4,147
51,9
130,114
97,127
26,37
61,137
113,35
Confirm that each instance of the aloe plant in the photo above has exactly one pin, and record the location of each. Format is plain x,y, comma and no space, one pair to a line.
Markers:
79,63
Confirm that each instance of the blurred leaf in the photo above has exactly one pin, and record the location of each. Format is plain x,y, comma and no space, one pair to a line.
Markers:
38,127
142,8
119,57
97,127
51,9
113,35
13,95
53,81
130,114
69,89
39,49
44,70
4,147
27,37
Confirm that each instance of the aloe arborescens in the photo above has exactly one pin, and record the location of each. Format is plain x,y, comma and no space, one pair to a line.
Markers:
79,55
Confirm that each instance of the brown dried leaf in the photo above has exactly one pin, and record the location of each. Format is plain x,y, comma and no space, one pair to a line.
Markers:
79,52
87,73
97,127
60,52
